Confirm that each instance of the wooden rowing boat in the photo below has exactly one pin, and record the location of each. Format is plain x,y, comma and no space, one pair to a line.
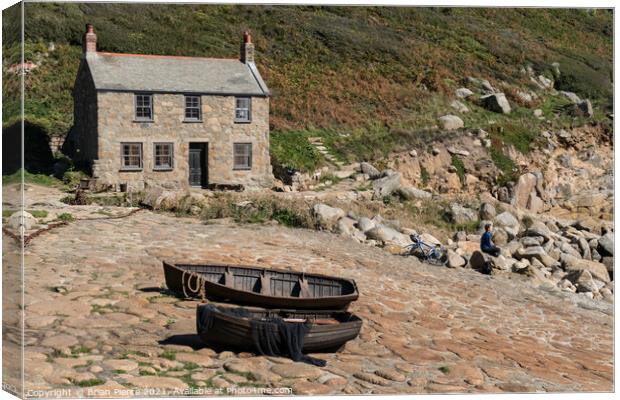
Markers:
261,287
231,327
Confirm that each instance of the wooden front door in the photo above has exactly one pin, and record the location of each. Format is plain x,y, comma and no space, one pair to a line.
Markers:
198,164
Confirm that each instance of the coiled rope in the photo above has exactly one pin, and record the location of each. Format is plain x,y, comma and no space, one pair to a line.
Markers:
200,284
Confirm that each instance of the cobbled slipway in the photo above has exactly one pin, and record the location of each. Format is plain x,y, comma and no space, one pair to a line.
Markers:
97,318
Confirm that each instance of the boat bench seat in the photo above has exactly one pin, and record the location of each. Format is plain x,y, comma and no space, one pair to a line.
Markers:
229,279
265,285
304,291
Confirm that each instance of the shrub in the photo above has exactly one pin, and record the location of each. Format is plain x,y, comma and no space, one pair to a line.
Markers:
460,167
66,217
518,135
90,382
424,175
505,164
291,213
8,213
72,178
590,78
36,179
38,213
293,150
387,200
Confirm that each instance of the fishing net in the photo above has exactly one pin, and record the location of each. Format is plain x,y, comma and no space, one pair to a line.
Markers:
271,336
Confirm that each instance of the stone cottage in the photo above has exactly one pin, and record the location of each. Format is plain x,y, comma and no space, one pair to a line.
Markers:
148,120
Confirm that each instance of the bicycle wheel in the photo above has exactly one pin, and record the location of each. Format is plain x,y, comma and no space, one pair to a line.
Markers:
438,257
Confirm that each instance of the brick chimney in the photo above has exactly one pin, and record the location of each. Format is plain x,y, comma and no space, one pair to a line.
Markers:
89,44
247,48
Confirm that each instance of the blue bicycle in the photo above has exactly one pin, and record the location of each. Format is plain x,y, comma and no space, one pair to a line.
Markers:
430,253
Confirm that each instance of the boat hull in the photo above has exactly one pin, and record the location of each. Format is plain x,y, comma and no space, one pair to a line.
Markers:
229,331
243,285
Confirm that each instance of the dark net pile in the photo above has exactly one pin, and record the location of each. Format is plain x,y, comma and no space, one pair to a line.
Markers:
271,336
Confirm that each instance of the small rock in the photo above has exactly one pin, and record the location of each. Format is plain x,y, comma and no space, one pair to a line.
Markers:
606,244
460,236
506,219
386,234
463,93
387,185
545,82
430,239
310,388
365,224
458,106
461,215
450,122
456,151
583,108
478,261
455,260
571,96
121,365
487,211
411,193
370,170
583,281
346,226
496,102
391,375
371,378
500,236
538,228
151,382
530,241
60,342
597,270
327,216
297,370
195,358
22,219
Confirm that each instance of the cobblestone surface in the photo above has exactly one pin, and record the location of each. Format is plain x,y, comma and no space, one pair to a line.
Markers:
97,319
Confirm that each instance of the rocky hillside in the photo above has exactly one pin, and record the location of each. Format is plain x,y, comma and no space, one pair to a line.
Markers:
394,121
365,78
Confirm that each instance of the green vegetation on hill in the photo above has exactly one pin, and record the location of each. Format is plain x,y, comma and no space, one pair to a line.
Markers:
368,79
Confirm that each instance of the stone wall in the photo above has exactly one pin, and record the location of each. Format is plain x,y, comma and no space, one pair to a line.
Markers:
116,124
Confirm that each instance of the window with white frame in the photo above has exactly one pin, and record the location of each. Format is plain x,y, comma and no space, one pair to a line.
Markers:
131,156
243,109
242,155
163,156
192,108
144,107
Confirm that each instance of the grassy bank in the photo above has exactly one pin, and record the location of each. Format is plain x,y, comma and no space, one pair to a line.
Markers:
338,68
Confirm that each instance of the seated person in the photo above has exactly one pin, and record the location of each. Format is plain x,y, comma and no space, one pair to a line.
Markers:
486,245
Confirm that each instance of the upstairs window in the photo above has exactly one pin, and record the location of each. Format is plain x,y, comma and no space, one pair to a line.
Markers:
192,108
144,107
243,109
162,155
242,155
131,156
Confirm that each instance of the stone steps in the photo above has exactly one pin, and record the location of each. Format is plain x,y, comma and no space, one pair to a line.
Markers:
317,142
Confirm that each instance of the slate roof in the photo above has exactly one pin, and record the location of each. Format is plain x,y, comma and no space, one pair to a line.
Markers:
149,73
